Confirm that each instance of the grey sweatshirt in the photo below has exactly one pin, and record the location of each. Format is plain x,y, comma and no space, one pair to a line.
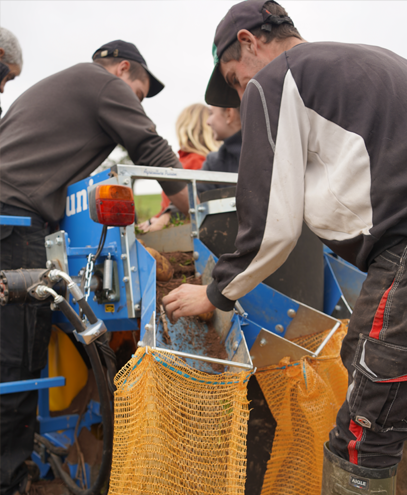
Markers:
62,128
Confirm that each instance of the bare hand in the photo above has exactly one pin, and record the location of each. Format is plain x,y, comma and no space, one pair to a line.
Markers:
154,223
187,300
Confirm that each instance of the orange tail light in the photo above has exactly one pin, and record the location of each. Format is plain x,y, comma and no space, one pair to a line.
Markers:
111,204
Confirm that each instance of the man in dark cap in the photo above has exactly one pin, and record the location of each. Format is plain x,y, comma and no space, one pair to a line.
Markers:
323,129
57,133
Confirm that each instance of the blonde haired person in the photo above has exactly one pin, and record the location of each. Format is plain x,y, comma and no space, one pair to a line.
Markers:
196,140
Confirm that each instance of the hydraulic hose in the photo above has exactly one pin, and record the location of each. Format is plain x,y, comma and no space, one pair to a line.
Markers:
107,420
70,314
108,355
87,310
106,412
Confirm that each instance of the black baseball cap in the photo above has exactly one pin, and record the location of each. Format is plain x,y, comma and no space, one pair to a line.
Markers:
126,50
245,15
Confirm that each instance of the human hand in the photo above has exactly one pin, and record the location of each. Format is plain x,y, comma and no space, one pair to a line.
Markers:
154,223
187,300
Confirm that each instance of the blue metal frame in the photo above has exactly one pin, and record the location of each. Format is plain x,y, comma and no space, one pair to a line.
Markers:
348,277
15,221
82,238
147,272
26,385
265,307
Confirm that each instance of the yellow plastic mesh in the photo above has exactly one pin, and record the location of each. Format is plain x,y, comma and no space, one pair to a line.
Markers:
304,398
178,430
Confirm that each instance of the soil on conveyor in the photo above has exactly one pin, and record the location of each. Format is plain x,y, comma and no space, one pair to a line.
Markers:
184,272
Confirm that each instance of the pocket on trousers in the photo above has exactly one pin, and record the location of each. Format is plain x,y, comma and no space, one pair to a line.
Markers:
5,231
379,396
39,326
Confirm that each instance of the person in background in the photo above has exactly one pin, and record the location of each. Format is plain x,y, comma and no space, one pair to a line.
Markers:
11,58
196,141
226,127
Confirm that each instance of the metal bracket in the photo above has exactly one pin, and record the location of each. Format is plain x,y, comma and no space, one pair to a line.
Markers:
150,334
269,348
213,207
92,333
56,249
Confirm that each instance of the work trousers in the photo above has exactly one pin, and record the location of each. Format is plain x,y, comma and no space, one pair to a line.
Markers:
24,336
372,423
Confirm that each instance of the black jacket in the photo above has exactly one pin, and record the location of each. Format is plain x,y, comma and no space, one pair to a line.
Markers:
226,159
323,129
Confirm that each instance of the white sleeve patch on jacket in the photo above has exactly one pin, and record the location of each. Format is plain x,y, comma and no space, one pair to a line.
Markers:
337,208
286,200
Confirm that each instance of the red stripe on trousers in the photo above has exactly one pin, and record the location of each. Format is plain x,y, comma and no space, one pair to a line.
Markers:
357,431
378,317
395,380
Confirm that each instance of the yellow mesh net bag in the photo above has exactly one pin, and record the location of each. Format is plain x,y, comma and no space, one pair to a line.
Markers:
178,430
304,398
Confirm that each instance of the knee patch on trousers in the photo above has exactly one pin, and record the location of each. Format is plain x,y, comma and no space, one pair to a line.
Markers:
378,398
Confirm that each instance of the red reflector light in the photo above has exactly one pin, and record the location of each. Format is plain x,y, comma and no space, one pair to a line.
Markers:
114,205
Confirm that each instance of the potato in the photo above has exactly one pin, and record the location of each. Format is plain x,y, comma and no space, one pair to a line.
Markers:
206,316
142,243
164,270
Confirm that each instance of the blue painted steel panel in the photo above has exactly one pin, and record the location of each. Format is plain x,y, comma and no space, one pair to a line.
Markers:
332,291
251,331
189,336
45,469
204,255
350,278
147,272
16,221
82,239
267,308
61,439
48,424
25,385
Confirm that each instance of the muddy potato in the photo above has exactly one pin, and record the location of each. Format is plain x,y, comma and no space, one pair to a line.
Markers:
206,316
142,243
164,270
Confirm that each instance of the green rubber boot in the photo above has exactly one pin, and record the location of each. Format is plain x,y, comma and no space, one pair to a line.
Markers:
341,477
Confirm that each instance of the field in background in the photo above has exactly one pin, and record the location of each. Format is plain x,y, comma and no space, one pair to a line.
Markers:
147,206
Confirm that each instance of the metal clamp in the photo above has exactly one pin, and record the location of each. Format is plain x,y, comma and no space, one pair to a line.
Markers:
92,333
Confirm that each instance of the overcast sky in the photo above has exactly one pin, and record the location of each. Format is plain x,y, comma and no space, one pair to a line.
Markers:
175,38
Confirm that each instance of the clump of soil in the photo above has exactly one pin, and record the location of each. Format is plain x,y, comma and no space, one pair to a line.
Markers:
201,336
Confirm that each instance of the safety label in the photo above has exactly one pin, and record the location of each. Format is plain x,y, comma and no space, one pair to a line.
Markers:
109,308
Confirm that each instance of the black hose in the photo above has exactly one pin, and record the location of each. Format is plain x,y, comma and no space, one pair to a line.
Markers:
90,315
109,357
107,420
40,440
108,354
106,412
102,241
73,318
